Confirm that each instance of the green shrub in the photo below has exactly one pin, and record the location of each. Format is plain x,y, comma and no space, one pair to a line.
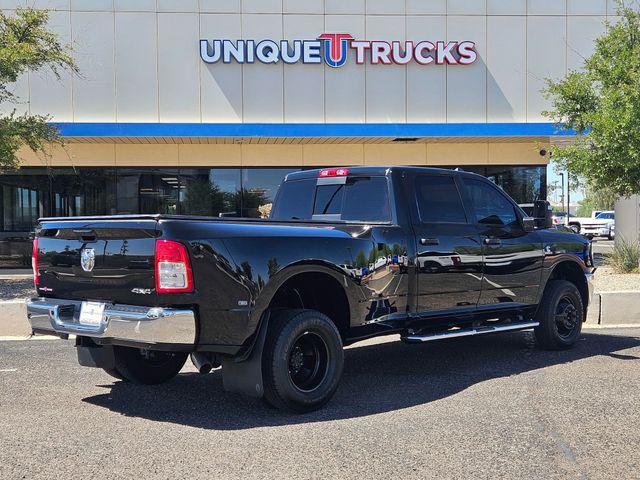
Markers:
625,257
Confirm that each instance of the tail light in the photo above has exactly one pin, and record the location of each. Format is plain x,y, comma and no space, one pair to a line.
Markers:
173,269
34,262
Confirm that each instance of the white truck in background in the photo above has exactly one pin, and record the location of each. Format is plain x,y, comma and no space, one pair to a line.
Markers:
600,224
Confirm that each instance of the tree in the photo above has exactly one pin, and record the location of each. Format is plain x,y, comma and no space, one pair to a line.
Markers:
203,198
272,266
603,103
596,200
361,259
27,45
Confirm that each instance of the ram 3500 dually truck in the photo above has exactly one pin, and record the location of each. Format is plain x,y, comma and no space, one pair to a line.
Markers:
347,254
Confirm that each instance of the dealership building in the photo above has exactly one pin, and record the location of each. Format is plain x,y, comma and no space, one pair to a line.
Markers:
203,106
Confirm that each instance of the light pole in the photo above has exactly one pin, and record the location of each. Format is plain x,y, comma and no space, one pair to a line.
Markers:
568,196
562,193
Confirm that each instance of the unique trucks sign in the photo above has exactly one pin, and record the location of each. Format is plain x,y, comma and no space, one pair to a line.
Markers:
333,49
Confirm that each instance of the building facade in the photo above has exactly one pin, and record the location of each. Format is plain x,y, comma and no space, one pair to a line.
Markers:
202,106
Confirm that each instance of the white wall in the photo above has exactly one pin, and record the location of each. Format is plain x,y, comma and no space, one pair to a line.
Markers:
140,63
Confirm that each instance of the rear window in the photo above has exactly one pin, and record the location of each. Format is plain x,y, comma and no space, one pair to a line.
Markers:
294,200
364,199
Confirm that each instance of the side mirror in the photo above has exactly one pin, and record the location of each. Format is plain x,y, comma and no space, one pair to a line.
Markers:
528,224
543,214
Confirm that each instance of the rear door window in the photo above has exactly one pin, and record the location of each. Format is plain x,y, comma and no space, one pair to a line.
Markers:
439,200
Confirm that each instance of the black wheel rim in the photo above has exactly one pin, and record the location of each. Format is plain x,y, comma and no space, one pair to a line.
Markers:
566,317
308,361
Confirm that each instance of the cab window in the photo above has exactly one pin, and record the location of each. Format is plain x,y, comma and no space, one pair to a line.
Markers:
438,199
488,205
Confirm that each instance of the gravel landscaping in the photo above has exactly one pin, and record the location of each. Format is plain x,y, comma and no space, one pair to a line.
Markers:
16,289
606,280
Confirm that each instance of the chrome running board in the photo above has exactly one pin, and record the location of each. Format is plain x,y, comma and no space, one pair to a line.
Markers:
468,332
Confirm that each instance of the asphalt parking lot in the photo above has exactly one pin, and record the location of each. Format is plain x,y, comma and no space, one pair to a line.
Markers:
485,407
601,247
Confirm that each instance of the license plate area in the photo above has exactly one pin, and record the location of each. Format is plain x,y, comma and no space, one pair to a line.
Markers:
91,314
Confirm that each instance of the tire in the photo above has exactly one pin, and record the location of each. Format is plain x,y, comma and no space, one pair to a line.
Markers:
575,227
148,368
302,360
560,315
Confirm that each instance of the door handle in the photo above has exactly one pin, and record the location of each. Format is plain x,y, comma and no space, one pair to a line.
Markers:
492,241
429,241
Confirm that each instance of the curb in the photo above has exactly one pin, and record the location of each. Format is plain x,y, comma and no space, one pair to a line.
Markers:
615,306
612,309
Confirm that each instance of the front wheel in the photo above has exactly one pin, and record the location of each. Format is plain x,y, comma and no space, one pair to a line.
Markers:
147,366
560,316
302,360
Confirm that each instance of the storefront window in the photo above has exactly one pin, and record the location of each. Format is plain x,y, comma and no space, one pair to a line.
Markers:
210,192
259,187
83,191
523,184
148,190
23,199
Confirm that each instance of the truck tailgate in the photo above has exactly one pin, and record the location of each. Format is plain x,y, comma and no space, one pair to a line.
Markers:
111,260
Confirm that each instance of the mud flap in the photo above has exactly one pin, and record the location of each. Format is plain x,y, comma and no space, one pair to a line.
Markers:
97,357
244,374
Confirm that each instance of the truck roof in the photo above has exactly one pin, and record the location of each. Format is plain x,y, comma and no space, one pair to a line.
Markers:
374,170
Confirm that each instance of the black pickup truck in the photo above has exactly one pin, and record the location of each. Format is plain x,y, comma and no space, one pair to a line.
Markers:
346,255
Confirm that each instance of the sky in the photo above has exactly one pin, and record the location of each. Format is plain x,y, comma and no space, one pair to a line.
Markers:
552,176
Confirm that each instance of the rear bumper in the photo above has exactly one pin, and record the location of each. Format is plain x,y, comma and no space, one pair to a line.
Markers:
120,323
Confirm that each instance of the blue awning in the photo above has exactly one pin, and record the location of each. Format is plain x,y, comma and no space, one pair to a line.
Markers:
391,130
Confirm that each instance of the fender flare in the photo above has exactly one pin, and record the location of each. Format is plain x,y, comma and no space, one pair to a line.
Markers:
264,298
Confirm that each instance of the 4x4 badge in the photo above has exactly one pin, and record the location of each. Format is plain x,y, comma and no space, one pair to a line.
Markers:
141,291
87,259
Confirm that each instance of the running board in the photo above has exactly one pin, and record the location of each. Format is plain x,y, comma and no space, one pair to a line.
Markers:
468,332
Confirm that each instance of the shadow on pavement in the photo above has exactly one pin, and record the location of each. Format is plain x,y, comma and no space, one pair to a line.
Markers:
377,378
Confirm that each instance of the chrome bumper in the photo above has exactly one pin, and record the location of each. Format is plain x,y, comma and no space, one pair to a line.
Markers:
148,325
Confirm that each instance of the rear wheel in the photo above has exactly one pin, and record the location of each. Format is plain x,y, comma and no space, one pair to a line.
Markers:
560,316
302,361
147,366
